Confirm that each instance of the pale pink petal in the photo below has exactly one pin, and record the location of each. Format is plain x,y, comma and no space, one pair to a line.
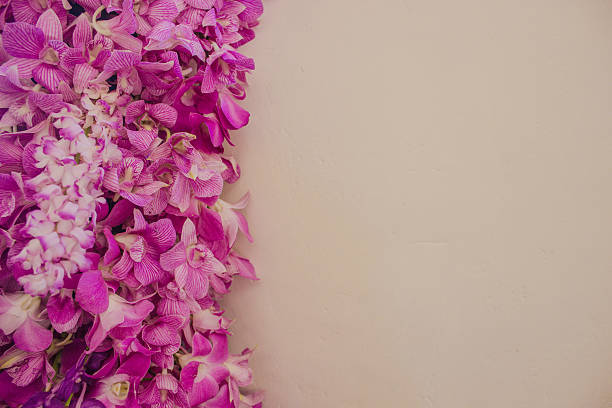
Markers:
173,258
188,235
180,193
50,24
82,32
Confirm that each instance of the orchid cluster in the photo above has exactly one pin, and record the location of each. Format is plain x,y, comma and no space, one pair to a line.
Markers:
115,246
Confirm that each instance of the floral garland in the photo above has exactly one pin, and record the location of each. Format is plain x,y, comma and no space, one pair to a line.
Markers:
115,247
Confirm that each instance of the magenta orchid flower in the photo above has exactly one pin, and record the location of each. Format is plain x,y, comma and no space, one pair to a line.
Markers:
142,246
114,118
191,263
129,181
223,67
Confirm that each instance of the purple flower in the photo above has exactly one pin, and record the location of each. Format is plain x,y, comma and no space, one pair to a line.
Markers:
222,68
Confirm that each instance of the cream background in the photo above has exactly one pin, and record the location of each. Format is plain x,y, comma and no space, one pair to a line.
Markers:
432,185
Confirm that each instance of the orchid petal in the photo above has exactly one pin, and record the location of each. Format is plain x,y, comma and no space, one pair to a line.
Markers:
31,336
50,24
92,292
23,40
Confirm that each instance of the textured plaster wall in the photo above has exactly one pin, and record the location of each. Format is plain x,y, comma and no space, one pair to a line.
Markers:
432,186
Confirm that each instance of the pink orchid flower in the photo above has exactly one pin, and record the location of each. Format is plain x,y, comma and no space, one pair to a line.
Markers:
28,11
204,368
37,50
169,36
20,316
232,220
129,181
25,367
25,104
142,246
163,391
63,313
222,68
119,28
192,263
119,314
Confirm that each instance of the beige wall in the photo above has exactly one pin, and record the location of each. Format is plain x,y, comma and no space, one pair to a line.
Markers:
432,186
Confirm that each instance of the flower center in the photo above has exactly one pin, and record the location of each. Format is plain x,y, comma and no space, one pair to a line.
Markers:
49,55
121,389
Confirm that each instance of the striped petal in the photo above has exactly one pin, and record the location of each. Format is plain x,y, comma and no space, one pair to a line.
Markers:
23,40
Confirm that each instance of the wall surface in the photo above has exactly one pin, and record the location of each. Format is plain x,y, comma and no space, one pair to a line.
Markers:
432,195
